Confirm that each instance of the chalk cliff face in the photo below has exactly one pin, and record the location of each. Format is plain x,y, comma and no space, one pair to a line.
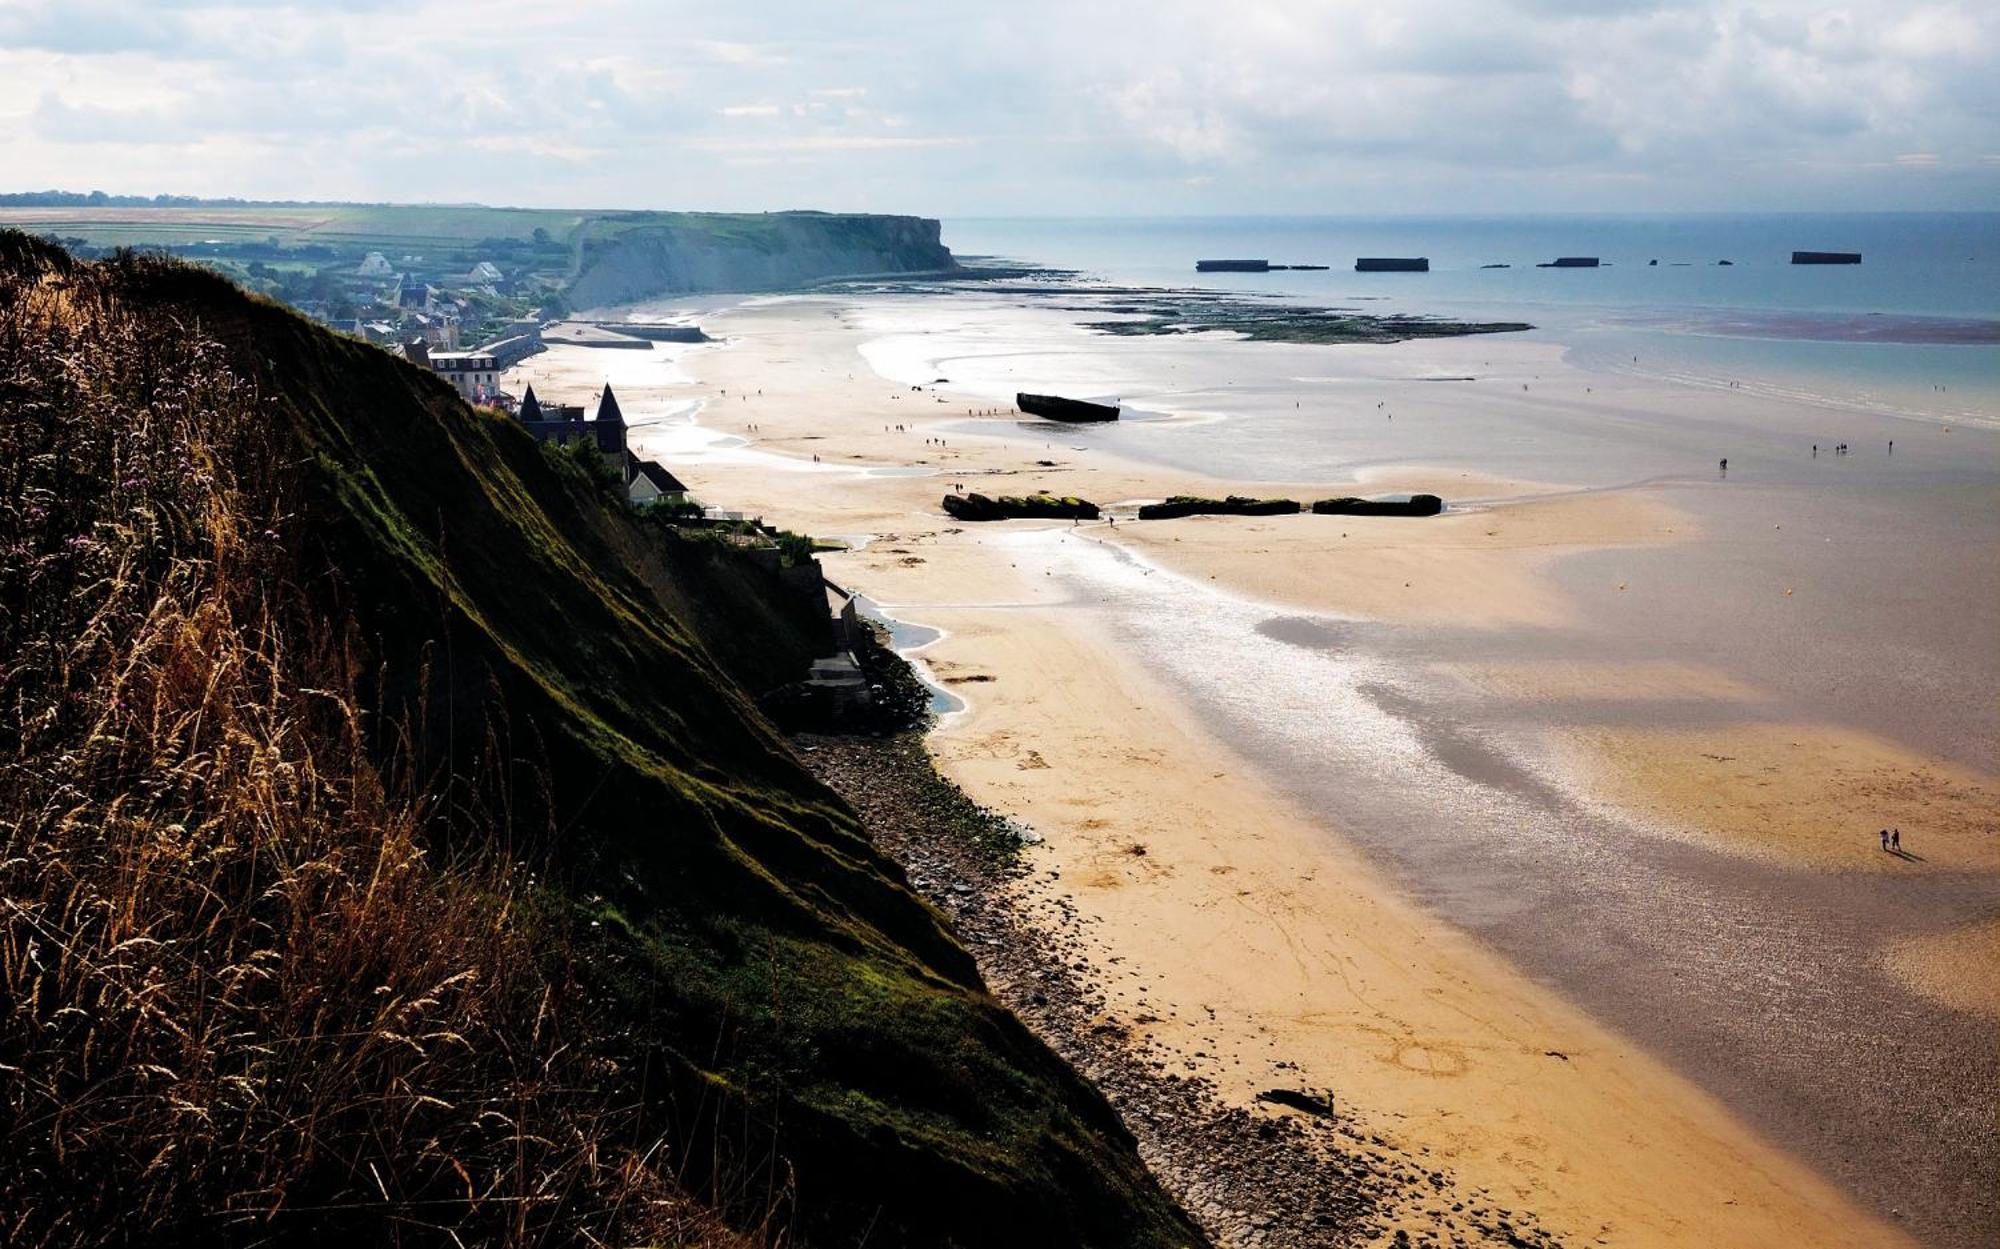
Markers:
648,255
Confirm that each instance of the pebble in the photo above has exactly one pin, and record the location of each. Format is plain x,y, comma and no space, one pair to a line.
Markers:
1250,1177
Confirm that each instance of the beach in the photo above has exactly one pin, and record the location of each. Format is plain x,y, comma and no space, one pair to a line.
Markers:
1542,832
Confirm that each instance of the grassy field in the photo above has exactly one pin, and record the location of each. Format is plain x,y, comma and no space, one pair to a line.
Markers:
372,227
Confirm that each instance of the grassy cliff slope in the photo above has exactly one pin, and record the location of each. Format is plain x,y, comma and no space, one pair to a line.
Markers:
384,839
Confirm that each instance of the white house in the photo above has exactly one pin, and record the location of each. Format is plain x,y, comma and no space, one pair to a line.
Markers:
476,374
649,482
376,265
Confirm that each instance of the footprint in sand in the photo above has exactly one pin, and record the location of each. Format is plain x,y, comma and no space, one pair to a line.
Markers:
1431,1060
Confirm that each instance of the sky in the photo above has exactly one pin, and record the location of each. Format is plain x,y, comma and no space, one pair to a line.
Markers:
1029,107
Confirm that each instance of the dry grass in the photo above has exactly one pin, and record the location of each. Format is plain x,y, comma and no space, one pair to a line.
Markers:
242,999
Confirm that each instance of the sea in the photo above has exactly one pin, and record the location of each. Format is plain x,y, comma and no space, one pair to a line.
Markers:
1920,312
1766,365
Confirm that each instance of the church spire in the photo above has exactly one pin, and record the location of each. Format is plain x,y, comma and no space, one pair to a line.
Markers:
531,407
607,408
610,424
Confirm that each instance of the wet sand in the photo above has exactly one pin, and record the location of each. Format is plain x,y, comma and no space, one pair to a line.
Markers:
1757,970
1953,967
1387,838
1234,934
1790,793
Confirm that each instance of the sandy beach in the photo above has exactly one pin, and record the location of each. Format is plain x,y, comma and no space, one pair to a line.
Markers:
1398,809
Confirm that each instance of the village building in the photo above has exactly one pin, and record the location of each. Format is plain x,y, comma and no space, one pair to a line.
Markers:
564,424
376,265
439,329
475,374
560,419
483,274
647,481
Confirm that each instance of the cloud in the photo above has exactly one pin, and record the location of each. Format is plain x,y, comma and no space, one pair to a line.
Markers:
739,53
830,143
1039,106
92,27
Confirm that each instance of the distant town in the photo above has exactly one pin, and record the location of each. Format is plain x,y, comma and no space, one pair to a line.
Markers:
448,293
468,309
470,290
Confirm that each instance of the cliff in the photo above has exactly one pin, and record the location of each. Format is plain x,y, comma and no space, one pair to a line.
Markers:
390,857
633,256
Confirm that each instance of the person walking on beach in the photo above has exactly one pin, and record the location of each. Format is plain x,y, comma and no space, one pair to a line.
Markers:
1885,839
1896,840
1725,463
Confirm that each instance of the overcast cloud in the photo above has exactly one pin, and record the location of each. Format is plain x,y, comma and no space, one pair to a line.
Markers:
1033,107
